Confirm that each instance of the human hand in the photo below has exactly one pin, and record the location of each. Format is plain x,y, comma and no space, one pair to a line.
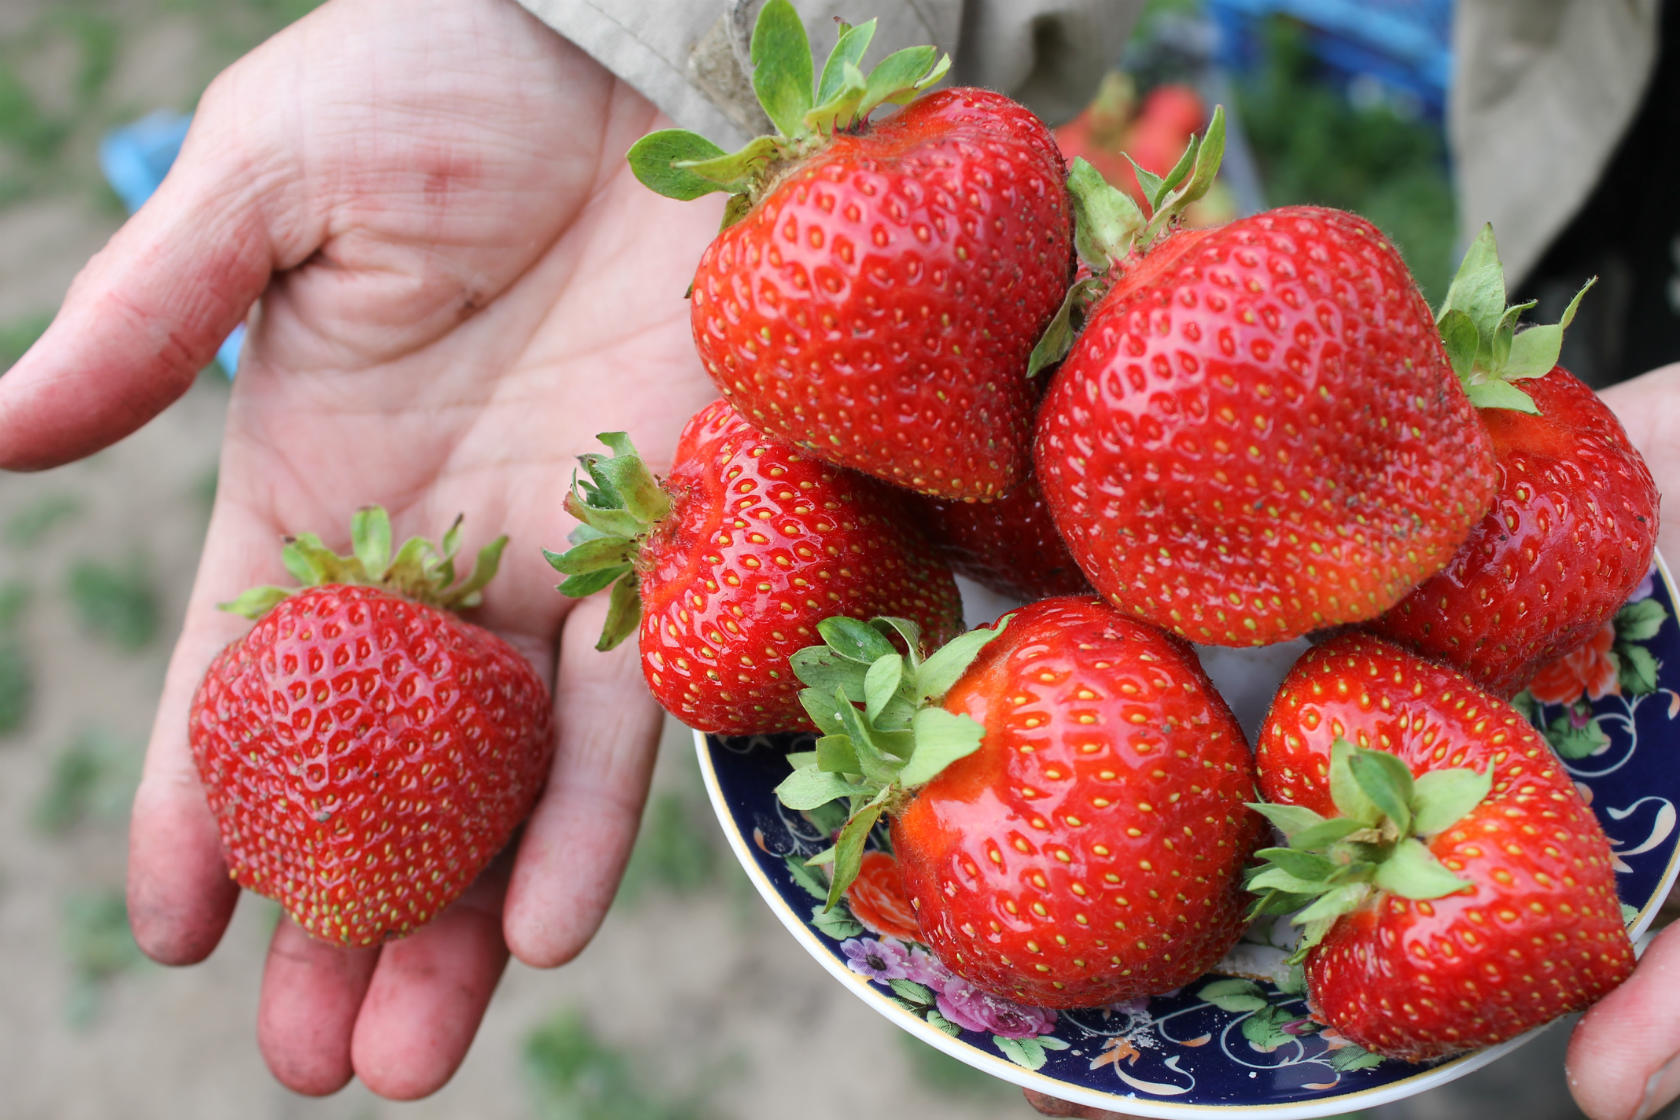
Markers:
1624,1057
460,284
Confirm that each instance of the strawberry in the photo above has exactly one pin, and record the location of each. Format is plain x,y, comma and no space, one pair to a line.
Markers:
366,752
1256,433
1008,545
727,566
878,286
1460,890
1066,793
1573,525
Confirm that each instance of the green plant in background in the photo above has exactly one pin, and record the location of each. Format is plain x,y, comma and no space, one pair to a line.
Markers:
576,1075
20,334
98,947
17,673
92,779
117,602
27,527
675,851
945,1075
1313,146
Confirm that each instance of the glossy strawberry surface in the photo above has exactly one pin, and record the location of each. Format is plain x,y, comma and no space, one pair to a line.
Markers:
1090,851
366,756
761,544
1008,545
877,305
1257,433
1570,535
1538,934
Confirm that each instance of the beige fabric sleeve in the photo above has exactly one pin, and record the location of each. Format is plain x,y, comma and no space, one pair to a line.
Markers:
1542,92
689,57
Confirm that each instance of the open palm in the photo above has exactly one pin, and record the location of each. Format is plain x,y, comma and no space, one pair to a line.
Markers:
459,286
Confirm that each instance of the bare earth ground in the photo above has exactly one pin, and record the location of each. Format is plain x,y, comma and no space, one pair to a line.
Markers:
692,1002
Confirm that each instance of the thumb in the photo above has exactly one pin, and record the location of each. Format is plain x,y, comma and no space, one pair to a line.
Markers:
1624,1057
150,309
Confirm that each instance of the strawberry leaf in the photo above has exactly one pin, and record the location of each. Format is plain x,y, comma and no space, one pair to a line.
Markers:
836,754
825,671
848,847
1327,832
782,68
1459,337
1297,863
624,613
1441,798
661,161
1106,219
1412,871
854,640
848,51
1289,819
1478,289
880,684
902,76
1535,351
941,738
1346,793
370,539
1500,394
946,665
809,787
1387,782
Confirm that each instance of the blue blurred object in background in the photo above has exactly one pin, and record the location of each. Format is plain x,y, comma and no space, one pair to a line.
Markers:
134,159
1404,46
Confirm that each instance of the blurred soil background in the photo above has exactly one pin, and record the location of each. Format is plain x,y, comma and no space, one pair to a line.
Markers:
693,1003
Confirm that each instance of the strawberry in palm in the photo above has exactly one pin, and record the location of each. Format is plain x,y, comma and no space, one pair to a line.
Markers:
1574,523
726,567
877,287
366,752
1454,889
1256,433
1066,794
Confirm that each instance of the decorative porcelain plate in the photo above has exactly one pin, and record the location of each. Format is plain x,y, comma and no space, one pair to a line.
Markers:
1231,1039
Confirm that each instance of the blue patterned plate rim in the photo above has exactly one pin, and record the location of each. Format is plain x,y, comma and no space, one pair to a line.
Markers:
1657,860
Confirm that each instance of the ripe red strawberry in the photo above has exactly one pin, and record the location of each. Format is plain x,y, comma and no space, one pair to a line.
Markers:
365,751
1071,820
727,566
1574,522
1465,892
877,287
1256,434
1008,545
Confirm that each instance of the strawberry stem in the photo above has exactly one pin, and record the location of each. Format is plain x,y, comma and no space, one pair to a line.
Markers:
420,570
1479,331
882,731
616,502
805,109
1331,866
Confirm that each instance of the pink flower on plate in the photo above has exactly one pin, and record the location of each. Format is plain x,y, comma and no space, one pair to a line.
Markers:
878,960
1589,670
924,968
970,1008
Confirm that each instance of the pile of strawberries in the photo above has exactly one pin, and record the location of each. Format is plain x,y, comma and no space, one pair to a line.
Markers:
942,350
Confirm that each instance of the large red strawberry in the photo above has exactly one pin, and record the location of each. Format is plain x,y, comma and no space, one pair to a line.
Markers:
1574,522
878,286
1008,545
1067,804
726,567
1256,434
1460,890
365,751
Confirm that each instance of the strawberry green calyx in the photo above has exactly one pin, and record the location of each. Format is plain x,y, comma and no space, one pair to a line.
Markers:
418,570
1110,227
806,108
875,755
616,502
1334,865
1480,333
